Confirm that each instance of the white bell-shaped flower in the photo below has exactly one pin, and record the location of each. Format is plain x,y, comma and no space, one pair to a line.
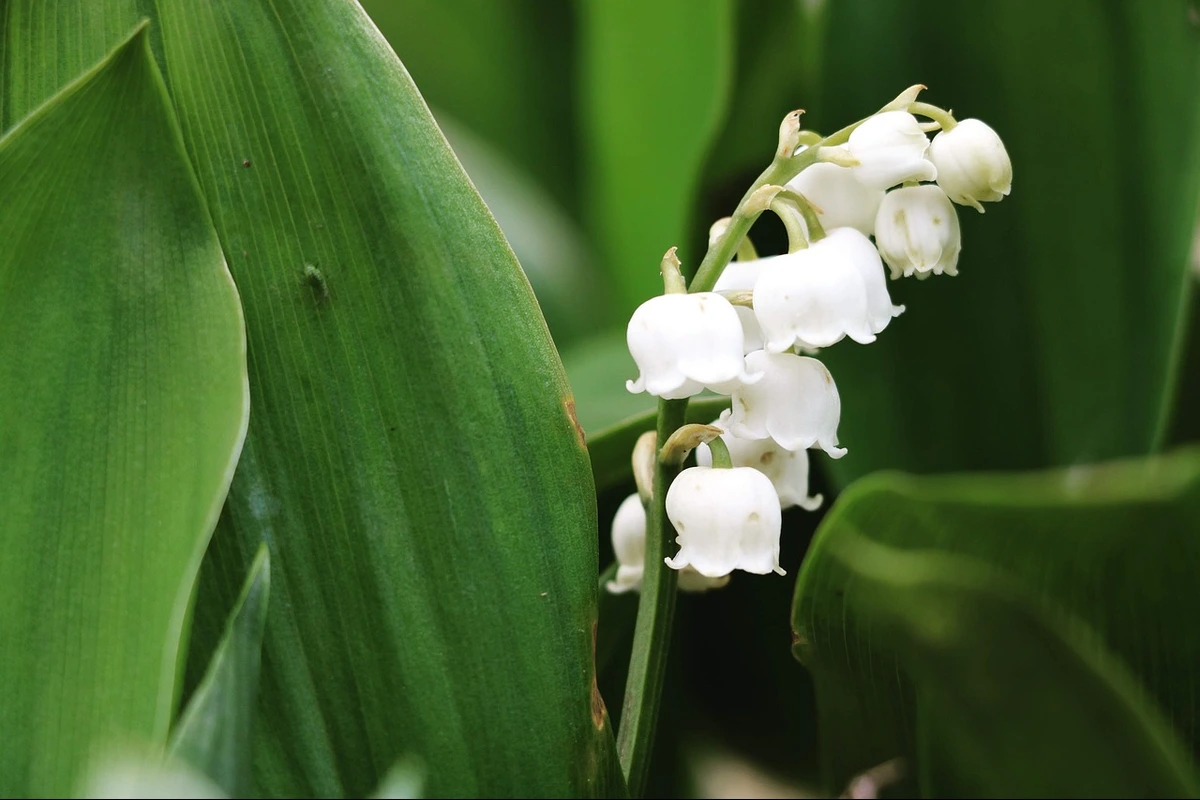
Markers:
787,469
796,403
972,164
844,200
684,343
890,148
629,545
726,519
817,296
917,232
740,276
865,257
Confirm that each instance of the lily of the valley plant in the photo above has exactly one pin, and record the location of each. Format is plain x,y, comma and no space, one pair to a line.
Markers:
750,329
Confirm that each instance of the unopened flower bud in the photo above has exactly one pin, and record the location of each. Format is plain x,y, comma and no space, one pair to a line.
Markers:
972,164
917,232
890,148
726,519
684,343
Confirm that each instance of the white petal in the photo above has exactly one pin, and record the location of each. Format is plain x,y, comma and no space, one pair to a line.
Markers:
813,297
692,581
844,200
917,231
796,403
683,343
726,519
866,259
973,165
890,148
629,545
787,469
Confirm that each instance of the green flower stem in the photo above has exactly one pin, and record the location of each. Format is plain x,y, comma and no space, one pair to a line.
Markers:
720,454
745,250
778,173
939,115
656,611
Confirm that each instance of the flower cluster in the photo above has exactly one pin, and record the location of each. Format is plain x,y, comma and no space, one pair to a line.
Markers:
753,333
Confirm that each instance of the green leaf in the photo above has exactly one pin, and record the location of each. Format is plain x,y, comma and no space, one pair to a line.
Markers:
123,384
1017,705
655,83
417,470
547,242
504,69
413,464
1058,341
1107,549
214,733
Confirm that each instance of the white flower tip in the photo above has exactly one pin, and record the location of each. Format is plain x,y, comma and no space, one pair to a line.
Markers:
612,587
975,204
778,570
749,379
897,310
636,387
775,347
812,503
676,563
834,451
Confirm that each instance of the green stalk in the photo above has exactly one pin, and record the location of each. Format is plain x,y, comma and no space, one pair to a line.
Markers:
778,173
656,611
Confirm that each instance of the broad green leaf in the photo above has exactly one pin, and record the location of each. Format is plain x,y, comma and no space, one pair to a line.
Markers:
598,368
123,389
505,69
1057,342
654,87
1112,546
413,464
1014,704
547,242
215,731
417,471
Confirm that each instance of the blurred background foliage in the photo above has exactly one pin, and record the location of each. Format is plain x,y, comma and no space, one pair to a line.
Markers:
601,133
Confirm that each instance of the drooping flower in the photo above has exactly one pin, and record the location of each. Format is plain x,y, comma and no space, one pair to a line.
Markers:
844,200
890,148
740,276
917,231
629,545
972,164
796,403
787,469
683,343
726,519
817,296
865,257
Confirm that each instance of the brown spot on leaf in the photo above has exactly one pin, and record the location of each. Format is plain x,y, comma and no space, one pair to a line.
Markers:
599,712
569,405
